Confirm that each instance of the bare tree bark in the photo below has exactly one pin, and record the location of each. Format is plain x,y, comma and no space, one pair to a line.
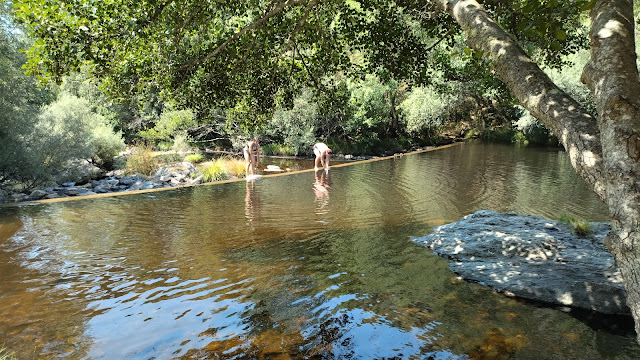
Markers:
605,153
612,76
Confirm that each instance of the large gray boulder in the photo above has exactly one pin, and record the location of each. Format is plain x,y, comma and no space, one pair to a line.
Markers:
533,258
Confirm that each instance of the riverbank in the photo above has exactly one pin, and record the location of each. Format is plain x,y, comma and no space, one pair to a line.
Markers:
172,176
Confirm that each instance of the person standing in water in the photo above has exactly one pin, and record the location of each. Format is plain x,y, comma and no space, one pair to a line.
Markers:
322,151
252,155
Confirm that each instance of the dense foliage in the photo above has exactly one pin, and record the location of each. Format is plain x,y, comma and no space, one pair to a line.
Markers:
368,77
43,130
243,59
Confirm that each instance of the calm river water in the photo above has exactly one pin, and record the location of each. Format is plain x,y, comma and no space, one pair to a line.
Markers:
296,266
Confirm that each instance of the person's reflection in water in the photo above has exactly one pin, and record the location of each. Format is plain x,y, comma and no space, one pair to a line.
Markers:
252,202
321,189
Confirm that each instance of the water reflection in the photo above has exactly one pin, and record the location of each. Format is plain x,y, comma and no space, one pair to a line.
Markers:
177,274
251,202
321,189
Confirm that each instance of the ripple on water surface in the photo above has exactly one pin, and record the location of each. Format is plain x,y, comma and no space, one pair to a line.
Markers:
300,266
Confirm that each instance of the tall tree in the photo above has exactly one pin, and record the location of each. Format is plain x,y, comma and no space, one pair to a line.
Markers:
250,53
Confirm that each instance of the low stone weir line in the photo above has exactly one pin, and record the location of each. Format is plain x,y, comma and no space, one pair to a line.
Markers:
135,192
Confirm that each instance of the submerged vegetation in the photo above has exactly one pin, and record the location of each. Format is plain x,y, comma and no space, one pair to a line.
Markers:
5,356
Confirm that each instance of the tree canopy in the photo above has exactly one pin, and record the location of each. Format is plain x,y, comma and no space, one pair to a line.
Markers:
254,54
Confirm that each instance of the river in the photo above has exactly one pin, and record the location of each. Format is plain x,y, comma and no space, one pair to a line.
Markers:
297,266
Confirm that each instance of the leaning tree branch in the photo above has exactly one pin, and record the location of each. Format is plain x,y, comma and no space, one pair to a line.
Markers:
304,64
292,37
574,126
440,40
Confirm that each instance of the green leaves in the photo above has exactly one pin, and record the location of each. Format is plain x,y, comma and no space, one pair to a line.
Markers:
560,34
223,54
587,5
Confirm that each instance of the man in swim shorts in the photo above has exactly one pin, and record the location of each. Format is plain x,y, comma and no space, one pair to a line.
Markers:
322,151
252,155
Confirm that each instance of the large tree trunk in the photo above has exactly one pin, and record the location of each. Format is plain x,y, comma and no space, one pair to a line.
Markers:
605,153
613,78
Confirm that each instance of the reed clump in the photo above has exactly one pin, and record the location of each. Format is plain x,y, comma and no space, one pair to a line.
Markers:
577,226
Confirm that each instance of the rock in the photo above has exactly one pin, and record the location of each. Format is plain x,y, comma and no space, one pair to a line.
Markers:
128,180
69,184
273,168
112,180
101,189
79,171
184,168
177,180
37,194
17,197
74,191
147,185
533,258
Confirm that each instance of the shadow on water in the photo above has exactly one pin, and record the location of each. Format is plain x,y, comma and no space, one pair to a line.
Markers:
301,266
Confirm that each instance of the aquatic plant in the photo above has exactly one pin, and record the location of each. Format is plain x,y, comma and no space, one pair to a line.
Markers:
235,167
214,171
577,226
5,356
194,158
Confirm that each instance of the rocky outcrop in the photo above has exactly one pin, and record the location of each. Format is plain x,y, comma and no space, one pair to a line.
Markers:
533,258
174,175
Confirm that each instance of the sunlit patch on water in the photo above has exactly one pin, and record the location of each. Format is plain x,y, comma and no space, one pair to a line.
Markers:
310,265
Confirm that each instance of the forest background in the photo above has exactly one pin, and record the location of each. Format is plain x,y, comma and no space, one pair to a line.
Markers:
46,126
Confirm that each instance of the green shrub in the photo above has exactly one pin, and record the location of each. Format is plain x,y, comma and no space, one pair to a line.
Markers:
281,150
166,158
164,145
498,135
106,142
424,110
532,132
171,124
370,107
142,161
578,227
295,128
194,158
181,144
214,171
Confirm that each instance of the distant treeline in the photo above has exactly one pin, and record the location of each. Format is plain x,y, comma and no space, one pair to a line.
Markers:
44,130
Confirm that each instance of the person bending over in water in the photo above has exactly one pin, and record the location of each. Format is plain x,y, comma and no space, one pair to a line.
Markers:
252,155
322,151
